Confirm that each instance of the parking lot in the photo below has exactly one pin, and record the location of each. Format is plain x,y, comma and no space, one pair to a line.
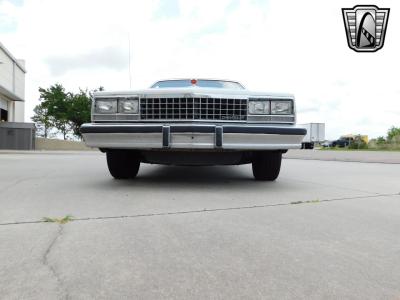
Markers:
326,229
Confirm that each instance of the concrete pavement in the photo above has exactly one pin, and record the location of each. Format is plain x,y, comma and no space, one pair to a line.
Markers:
325,229
370,156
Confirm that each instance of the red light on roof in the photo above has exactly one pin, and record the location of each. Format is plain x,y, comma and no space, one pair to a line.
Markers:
193,81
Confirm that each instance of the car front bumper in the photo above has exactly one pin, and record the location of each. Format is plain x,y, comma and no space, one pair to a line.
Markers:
192,136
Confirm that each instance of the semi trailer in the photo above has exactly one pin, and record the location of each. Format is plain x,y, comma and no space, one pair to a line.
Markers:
315,134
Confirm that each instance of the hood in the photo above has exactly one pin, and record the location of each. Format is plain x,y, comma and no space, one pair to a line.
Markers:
193,92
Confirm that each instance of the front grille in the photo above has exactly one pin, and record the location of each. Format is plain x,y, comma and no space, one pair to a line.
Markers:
193,109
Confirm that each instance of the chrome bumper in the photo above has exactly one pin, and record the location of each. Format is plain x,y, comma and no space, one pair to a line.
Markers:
192,136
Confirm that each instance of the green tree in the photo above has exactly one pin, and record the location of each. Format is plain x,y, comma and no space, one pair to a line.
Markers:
43,120
393,134
79,110
57,103
63,110
380,140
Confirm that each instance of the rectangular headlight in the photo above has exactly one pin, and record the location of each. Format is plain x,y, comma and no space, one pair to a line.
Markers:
106,106
259,107
281,107
128,106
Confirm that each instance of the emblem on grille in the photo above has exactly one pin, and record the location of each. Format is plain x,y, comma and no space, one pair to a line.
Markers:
365,27
231,117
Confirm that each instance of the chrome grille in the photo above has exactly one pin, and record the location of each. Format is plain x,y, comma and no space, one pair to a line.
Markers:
222,109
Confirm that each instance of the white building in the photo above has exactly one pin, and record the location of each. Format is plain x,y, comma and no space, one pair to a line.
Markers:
12,87
14,132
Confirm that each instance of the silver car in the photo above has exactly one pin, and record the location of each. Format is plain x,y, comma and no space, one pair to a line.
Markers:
193,122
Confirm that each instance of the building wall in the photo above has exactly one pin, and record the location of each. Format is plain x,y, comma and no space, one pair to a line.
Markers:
19,111
19,85
16,110
12,86
6,71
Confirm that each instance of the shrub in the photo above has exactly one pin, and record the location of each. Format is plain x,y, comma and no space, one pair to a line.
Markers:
358,143
380,140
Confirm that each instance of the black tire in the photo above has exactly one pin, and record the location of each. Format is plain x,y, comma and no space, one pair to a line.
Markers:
123,164
266,165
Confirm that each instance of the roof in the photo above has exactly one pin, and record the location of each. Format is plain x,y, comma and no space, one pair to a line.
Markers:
8,53
9,94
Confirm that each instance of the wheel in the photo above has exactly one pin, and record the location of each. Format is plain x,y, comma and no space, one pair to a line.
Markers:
266,165
123,164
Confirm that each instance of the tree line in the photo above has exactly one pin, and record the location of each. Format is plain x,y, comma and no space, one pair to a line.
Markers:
392,137
62,112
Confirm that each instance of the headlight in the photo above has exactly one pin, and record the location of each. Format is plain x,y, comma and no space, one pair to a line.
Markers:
281,107
106,106
128,106
258,107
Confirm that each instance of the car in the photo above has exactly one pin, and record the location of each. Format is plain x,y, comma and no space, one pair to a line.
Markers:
327,144
341,143
193,122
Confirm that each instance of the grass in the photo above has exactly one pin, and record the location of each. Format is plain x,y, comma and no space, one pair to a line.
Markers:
63,220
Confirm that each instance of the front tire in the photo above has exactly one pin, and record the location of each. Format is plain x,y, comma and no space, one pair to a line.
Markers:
123,164
266,165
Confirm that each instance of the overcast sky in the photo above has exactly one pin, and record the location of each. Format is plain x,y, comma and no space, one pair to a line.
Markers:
273,45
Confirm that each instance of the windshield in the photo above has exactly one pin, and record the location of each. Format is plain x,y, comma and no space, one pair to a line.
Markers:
184,83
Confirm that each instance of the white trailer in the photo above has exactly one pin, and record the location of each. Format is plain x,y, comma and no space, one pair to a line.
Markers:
315,134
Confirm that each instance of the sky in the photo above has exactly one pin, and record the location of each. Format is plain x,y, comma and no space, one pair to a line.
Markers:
298,47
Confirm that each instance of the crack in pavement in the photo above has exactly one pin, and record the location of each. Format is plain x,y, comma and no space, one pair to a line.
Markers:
207,210
45,261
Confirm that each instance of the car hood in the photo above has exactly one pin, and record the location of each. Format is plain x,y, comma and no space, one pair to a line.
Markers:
193,92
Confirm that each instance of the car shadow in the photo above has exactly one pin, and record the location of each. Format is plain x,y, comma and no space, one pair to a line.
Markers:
182,177
200,174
